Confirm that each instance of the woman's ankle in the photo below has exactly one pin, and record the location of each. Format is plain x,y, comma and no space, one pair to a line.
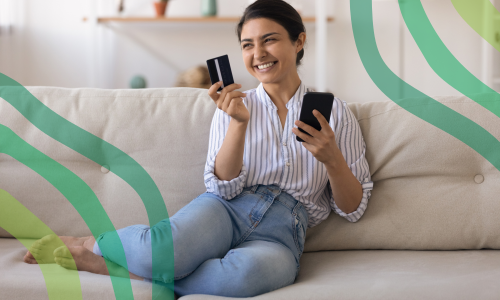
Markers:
89,243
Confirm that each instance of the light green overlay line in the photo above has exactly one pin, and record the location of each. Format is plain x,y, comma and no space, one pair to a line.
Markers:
76,191
62,284
442,60
102,153
481,16
421,105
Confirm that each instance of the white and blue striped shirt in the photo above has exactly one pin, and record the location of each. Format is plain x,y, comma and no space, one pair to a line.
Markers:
272,155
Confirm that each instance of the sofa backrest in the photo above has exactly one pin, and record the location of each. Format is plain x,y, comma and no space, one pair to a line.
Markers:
164,130
431,191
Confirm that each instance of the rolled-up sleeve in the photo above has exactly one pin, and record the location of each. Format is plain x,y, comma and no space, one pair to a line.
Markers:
353,148
222,188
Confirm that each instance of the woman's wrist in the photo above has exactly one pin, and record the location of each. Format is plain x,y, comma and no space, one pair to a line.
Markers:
239,123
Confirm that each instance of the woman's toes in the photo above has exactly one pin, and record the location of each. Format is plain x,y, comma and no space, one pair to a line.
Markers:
67,263
64,258
62,252
29,259
42,249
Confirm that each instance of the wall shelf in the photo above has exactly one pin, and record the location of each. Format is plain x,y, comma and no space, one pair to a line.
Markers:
320,20
182,19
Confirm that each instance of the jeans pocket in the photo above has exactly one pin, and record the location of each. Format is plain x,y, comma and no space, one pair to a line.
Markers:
299,234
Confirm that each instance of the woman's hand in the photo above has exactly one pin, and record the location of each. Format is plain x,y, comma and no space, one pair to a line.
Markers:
229,100
322,143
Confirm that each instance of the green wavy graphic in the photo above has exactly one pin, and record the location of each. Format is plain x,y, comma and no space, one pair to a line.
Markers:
76,191
61,284
442,60
421,105
103,153
481,16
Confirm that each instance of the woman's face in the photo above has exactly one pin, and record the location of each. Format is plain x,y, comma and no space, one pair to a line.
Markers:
268,52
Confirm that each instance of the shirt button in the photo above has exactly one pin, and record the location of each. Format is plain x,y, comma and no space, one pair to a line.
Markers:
284,143
287,164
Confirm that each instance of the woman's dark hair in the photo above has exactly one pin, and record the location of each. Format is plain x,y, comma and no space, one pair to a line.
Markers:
278,11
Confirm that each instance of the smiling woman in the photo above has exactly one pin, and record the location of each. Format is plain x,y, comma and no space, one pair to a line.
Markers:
284,15
245,236
272,37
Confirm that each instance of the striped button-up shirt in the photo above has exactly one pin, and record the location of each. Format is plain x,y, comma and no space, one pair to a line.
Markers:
272,155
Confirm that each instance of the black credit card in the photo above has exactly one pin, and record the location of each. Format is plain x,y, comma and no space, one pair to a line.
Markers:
219,69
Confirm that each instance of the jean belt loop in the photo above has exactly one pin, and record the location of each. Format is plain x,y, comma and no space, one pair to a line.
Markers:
254,188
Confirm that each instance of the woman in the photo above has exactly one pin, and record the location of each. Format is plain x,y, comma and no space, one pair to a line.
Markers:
246,234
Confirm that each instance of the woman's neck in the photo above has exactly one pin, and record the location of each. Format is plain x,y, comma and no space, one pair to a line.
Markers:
281,92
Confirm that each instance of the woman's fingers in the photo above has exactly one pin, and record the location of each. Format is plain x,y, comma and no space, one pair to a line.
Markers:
230,96
223,99
212,91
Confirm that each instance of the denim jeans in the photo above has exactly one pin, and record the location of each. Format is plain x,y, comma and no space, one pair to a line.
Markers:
242,247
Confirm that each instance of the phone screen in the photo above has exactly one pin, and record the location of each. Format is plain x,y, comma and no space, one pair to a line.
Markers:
322,102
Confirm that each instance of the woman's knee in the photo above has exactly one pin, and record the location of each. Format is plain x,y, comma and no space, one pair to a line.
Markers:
263,273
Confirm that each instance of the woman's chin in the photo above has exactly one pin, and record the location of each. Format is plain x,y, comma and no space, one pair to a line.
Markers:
265,78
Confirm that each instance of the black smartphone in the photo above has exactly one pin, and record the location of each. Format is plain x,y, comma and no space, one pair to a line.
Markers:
220,69
322,102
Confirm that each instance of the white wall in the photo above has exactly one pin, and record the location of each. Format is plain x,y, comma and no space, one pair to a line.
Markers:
53,47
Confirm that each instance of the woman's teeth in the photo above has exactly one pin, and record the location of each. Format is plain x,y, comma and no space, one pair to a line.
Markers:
265,66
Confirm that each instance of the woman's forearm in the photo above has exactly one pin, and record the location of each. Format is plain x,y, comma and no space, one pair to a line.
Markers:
229,160
346,189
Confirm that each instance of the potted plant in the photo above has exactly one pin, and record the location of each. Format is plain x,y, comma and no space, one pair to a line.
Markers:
161,7
208,8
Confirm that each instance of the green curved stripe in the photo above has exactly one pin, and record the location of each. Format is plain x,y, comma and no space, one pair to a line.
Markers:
481,16
103,153
423,106
78,193
61,284
442,60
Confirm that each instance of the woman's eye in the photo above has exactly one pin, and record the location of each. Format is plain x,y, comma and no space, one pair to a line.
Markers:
269,40
244,46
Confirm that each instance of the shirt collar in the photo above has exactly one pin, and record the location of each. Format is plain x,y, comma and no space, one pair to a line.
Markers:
295,101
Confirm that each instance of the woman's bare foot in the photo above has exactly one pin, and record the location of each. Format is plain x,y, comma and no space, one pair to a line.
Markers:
82,259
42,251
79,258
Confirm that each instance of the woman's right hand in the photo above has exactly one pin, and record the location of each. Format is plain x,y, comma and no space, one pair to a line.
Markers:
230,101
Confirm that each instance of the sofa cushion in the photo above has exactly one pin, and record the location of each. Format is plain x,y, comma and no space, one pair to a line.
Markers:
19,280
391,274
358,274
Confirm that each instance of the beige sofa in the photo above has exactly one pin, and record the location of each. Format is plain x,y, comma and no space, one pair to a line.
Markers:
431,192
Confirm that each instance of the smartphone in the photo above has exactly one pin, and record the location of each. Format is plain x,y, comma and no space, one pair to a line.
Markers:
322,102
220,69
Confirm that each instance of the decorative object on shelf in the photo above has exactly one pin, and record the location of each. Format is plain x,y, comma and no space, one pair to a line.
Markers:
161,7
138,82
196,77
121,6
208,8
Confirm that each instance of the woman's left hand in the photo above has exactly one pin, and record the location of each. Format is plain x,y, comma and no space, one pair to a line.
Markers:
322,143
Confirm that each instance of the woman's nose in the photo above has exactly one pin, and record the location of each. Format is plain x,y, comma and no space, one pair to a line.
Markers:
259,52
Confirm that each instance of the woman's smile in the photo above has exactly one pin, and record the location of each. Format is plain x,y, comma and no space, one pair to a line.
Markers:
265,67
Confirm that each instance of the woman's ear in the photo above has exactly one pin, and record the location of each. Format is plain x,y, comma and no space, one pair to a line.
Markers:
300,42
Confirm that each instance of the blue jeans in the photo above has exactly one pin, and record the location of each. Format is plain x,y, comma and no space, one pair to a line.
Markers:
243,247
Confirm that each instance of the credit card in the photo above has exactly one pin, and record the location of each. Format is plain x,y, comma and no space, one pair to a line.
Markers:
219,69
